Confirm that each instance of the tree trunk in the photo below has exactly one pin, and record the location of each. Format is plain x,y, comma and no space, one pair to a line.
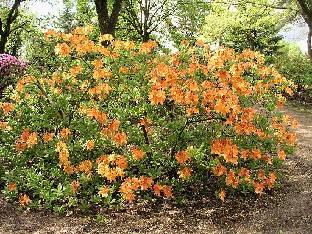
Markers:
306,12
309,43
107,24
5,27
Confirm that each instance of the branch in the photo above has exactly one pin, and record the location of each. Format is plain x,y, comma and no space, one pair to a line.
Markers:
19,26
258,4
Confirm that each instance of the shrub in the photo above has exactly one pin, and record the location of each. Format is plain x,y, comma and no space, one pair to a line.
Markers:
297,67
126,122
11,68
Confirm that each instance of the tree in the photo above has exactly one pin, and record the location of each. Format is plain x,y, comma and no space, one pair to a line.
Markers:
187,19
8,17
244,24
305,7
107,22
76,13
146,16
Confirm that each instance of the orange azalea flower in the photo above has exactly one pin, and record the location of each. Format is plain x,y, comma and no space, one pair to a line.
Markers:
137,154
12,186
104,191
167,191
24,200
192,110
157,189
89,145
3,125
62,49
103,158
57,91
244,173
231,179
185,173
176,94
280,104
219,170
63,156
128,196
222,195
60,145
106,37
286,118
259,187
290,138
157,96
123,70
120,138
20,146
111,175
268,159
65,133
281,154
85,166
244,154
271,180
75,186
199,42
261,175
32,140
225,148
122,162
76,70
127,187
98,63
256,154
185,42
68,169
47,137
146,122
145,182
7,107
114,125
182,156
294,123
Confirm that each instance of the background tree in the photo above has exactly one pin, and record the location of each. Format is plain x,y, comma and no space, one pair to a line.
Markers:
146,17
305,7
76,13
9,14
107,19
187,19
250,24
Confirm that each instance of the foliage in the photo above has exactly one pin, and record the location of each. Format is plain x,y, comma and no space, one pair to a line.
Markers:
15,21
295,65
186,19
122,123
76,13
241,24
11,68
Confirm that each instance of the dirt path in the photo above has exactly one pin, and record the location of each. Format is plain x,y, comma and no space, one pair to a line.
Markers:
288,210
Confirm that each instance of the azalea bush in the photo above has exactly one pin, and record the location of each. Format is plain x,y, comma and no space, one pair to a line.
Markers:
129,122
11,69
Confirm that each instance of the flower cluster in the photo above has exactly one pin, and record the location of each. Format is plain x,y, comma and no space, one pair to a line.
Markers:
10,64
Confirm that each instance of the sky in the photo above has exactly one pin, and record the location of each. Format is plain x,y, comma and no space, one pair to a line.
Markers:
296,33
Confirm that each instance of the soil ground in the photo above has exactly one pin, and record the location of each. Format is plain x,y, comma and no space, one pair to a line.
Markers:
286,210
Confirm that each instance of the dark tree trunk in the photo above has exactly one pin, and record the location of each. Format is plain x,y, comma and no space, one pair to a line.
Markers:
107,23
309,43
305,8
5,27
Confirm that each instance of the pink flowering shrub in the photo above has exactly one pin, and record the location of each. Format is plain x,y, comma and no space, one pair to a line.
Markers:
11,68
